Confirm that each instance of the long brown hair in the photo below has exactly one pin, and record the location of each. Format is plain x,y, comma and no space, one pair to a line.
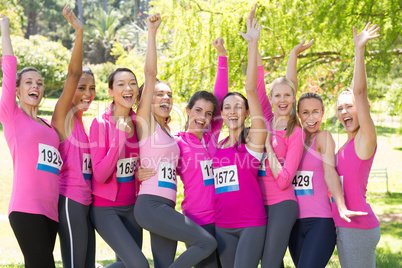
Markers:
294,119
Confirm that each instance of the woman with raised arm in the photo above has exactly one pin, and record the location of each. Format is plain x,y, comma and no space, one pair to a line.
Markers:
240,218
33,144
155,207
198,145
284,149
77,236
357,239
313,237
114,153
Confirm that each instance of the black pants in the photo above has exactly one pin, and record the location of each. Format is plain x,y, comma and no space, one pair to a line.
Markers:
36,235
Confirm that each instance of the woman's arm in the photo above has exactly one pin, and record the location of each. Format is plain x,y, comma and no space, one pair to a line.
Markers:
325,145
105,154
221,87
144,115
284,174
258,129
73,77
366,138
9,67
291,69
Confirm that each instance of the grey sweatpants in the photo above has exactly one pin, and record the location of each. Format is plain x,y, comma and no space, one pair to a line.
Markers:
281,218
167,226
118,227
356,247
240,247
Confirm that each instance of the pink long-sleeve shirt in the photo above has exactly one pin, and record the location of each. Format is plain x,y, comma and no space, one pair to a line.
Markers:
34,149
195,162
288,150
112,151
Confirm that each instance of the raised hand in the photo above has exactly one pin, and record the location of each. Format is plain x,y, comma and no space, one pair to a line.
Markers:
367,34
6,48
4,22
253,31
72,19
301,47
154,21
251,15
220,47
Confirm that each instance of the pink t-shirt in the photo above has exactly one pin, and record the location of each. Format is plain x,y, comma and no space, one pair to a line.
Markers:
238,199
310,187
160,152
114,162
353,173
76,172
34,149
288,150
195,162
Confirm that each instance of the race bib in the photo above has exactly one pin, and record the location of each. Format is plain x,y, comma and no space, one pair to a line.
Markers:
125,169
87,166
303,183
226,179
343,192
167,176
49,159
207,172
261,170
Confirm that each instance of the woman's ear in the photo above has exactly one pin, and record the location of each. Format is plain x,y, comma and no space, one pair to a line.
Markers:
17,90
188,110
111,92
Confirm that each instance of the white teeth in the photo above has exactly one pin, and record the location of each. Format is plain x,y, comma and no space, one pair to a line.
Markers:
33,93
311,124
85,101
164,105
232,118
199,122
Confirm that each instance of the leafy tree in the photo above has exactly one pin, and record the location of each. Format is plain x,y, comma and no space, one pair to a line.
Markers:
50,58
188,60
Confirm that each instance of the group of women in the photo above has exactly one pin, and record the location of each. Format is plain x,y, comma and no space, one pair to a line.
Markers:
246,198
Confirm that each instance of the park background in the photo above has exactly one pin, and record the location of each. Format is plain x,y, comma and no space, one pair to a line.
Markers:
115,36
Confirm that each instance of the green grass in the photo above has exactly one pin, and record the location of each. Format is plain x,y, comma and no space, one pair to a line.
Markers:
388,207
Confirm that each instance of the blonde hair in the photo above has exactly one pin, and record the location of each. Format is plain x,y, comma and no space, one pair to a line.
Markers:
294,119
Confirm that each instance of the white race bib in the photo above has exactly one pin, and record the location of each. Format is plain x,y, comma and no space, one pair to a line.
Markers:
303,183
226,179
167,176
261,170
87,166
49,159
207,172
125,169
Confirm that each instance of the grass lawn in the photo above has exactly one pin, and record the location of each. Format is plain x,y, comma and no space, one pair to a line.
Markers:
388,207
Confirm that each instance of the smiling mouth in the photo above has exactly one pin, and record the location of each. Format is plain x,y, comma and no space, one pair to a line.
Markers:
33,95
128,97
311,124
164,107
348,121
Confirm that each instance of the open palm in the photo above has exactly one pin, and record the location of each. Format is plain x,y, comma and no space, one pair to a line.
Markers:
367,34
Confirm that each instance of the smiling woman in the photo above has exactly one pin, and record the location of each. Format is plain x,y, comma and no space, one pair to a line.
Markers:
34,145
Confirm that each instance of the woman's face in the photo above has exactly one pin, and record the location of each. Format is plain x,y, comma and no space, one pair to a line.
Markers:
200,116
85,92
162,101
30,91
311,113
282,98
234,112
346,112
125,90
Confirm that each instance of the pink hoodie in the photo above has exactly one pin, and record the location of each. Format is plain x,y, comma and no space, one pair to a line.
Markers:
195,162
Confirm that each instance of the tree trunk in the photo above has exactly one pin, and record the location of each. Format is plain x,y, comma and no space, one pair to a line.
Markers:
32,28
80,12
